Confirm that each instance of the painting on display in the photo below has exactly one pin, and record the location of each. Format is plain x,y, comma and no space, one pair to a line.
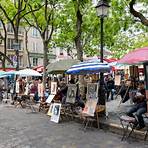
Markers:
53,88
71,93
50,98
92,90
17,87
147,94
117,80
55,116
40,90
49,113
90,107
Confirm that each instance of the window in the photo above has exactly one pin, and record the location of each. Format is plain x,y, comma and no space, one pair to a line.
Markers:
20,31
35,32
35,61
12,58
9,28
1,24
20,60
10,44
34,46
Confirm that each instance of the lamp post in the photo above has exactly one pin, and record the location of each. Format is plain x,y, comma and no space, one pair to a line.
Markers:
102,12
16,47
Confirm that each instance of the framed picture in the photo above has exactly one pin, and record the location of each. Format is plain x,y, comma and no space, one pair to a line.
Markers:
17,86
53,88
146,94
50,98
49,113
117,80
71,93
92,91
90,107
56,112
40,90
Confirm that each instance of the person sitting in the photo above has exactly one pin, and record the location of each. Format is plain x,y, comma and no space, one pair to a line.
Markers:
140,106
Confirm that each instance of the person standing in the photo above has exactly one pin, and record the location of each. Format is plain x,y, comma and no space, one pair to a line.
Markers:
110,88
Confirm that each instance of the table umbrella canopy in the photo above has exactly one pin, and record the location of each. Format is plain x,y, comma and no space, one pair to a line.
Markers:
137,56
27,72
61,66
88,67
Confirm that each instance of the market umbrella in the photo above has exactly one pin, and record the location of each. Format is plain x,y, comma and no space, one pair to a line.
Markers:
61,66
27,72
88,67
137,56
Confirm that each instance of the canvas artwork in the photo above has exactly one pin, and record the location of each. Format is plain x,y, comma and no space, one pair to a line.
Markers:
56,112
90,107
40,90
53,88
147,94
50,98
117,80
49,113
71,93
92,90
17,87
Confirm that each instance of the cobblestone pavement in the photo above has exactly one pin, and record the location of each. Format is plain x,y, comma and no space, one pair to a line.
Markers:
21,129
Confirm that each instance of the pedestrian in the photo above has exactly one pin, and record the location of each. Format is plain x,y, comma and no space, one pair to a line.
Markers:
110,88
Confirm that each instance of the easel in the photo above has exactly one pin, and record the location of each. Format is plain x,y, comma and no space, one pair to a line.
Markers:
127,90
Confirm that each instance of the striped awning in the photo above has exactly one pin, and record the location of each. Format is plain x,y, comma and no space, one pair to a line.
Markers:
89,67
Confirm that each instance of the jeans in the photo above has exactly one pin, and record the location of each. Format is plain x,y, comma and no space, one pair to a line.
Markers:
108,94
138,109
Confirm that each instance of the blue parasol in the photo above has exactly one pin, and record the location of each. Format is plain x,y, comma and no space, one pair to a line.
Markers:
89,67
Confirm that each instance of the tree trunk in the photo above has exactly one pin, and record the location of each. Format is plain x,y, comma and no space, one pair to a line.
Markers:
5,46
45,61
137,14
17,47
26,48
78,36
79,50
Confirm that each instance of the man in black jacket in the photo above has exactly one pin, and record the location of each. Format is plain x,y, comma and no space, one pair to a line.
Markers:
140,106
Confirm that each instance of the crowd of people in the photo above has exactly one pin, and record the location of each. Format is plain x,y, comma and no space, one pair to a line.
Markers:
135,92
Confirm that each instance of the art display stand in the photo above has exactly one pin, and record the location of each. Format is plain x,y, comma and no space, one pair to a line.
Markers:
90,113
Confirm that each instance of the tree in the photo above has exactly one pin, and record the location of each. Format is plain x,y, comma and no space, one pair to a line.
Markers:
138,14
14,13
44,23
3,56
26,29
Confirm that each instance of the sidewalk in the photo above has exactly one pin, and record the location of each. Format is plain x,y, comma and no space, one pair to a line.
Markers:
112,123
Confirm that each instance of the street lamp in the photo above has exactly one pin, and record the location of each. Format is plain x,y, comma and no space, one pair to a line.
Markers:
102,12
16,47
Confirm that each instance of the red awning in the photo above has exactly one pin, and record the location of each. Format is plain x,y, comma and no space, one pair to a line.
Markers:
135,57
39,68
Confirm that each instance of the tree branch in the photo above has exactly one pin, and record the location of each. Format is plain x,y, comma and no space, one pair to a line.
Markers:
31,11
35,19
19,11
143,19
